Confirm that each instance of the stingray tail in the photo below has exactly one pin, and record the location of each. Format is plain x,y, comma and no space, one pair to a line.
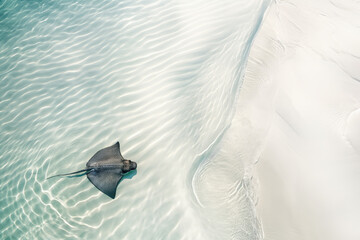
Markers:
73,174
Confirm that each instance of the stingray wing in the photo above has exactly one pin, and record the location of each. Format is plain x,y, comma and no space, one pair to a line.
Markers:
106,180
109,155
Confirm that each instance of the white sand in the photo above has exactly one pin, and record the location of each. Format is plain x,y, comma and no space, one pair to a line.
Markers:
303,85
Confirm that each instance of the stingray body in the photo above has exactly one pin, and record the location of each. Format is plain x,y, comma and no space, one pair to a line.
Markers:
105,169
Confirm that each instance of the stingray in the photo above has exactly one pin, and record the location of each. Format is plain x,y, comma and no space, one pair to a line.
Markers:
105,169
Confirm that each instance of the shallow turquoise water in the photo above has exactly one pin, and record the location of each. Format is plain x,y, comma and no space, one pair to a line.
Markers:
161,77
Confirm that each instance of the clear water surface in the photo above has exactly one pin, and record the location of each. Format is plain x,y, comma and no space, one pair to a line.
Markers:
161,77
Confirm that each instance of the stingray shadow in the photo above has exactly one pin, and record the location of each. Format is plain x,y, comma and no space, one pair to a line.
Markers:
129,175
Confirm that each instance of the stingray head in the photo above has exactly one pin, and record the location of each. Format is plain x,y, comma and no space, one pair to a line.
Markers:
128,166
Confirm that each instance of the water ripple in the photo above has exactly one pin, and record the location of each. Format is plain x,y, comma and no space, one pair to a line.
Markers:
161,77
